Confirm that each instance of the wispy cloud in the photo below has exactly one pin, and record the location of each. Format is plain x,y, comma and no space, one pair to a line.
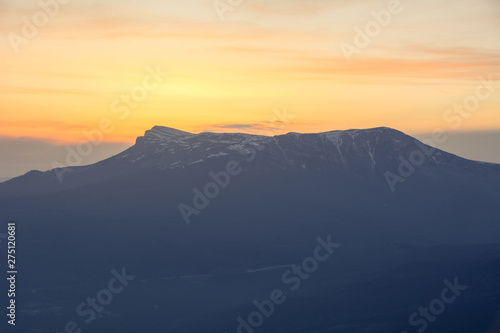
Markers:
245,128
46,91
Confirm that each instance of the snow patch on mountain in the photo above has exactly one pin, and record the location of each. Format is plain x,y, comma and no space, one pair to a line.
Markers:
217,155
335,137
166,132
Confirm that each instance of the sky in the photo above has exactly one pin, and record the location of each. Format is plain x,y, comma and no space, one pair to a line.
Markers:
74,70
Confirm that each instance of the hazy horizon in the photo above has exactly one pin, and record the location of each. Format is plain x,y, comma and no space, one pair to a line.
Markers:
25,154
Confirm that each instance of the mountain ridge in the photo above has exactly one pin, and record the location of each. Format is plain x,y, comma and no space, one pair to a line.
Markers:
361,153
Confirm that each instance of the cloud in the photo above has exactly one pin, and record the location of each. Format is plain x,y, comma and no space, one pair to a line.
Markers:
239,126
45,91
263,127
424,63
290,7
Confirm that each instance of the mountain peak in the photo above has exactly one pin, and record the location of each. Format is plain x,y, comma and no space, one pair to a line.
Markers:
376,130
162,131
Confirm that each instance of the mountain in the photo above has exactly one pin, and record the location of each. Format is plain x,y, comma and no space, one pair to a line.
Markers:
209,223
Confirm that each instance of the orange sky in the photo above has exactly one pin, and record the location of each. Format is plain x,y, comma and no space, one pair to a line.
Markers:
229,75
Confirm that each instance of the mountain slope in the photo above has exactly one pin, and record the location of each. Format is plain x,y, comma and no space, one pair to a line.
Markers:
284,193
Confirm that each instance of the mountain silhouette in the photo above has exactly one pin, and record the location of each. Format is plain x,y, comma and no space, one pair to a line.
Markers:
210,223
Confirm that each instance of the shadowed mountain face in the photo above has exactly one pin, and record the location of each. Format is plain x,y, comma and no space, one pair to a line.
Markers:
208,223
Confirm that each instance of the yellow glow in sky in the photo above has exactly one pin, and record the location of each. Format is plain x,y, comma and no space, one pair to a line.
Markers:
229,75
